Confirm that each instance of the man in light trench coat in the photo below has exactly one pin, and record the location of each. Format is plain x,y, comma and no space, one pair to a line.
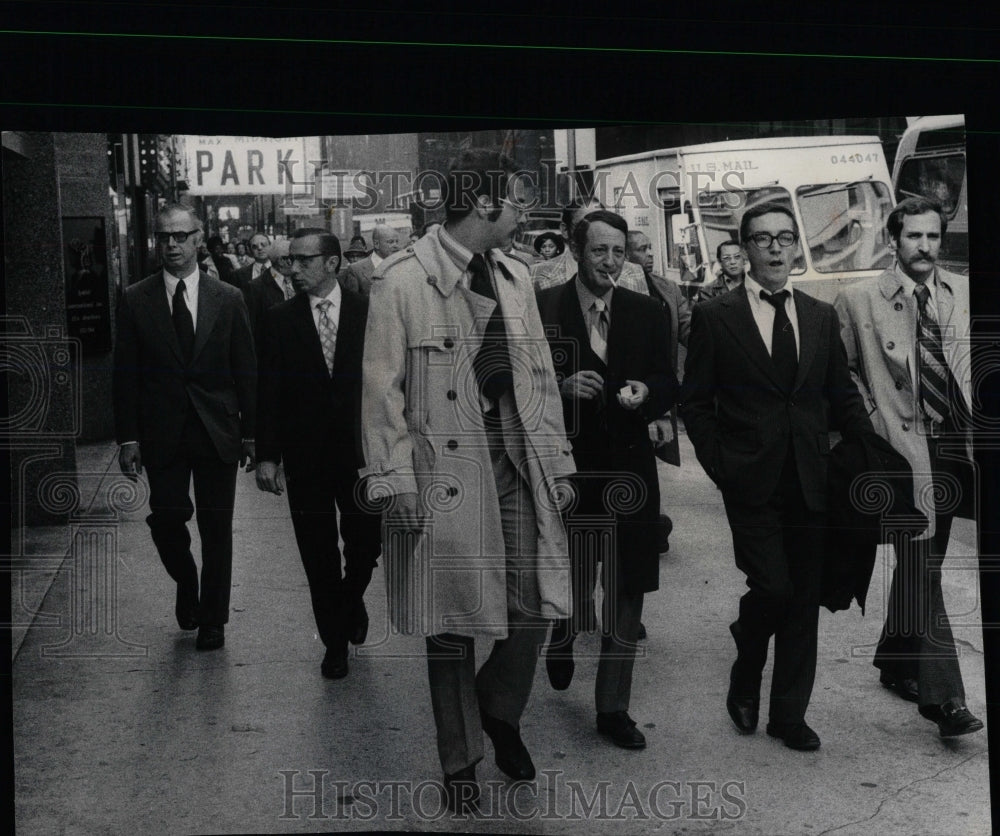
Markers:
463,432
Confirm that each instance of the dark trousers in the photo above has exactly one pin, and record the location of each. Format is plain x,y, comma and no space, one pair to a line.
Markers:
916,641
777,546
592,529
314,504
171,508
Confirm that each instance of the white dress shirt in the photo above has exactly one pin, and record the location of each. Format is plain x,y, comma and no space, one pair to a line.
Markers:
190,293
763,312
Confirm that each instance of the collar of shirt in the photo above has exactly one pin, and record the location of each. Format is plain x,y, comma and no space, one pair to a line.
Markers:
587,299
458,253
909,285
754,288
376,259
259,268
190,287
763,312
333,314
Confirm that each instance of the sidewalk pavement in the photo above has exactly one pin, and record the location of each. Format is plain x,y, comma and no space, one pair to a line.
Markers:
121,726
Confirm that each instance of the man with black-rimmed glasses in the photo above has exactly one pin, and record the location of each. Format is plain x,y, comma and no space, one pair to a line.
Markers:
765,382
185,383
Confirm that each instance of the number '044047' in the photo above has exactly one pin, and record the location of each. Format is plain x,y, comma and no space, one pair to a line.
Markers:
854,158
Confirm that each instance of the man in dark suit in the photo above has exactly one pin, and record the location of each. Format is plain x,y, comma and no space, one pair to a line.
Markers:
611,352
270,288
223,266
185,381
358,276
259,247
907,335
308,419
766,380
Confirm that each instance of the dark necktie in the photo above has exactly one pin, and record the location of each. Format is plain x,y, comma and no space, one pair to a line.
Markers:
183,324
783,352
492,363
935,378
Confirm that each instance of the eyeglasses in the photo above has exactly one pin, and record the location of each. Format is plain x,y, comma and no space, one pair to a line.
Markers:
736,257
301,260
260,245
179,237
763,240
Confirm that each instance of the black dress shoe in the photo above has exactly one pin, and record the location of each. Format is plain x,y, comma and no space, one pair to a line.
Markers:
511,755
462,791
186,607
620,728
744,710
359,628
906,688
952,717
559,664
334,665
796,735
210,638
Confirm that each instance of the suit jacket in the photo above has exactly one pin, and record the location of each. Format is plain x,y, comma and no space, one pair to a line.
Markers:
154,389
607,438
358,276
716,287
879,329
739,418
678,310
262,293
307,418
242,278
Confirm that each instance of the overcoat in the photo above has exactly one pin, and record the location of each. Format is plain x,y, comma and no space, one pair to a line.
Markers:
878,327
422,431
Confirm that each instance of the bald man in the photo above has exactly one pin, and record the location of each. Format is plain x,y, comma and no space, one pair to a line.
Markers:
358,276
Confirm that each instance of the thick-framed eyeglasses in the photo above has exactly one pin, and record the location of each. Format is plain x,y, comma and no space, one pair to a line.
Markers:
302,260
763,240
179,237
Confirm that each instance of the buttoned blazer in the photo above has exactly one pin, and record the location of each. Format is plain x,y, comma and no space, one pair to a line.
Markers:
152,385
358,276
608,440
879,330
307,417
260,295
679,312
423,432
737,414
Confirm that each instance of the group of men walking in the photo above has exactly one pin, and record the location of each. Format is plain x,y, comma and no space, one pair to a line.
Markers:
496,445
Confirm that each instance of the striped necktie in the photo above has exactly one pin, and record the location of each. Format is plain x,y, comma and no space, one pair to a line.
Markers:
599,329
934,375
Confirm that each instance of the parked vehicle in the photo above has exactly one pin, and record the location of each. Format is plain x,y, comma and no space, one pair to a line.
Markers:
689,200
930,162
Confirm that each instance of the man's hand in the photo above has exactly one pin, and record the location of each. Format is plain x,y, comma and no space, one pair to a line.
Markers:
639,394
270,477
585,385
248,456
130,460
404,512
661,432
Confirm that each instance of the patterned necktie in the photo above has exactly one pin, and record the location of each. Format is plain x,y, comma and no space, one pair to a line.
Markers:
286,285
599,329
934,374
183,323
327,333
492,361
783,351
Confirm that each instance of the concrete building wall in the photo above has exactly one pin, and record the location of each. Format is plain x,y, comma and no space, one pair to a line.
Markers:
43,380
